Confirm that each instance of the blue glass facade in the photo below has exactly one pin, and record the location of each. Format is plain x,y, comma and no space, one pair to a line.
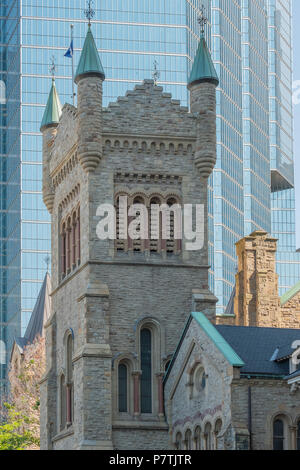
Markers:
250,42
281,142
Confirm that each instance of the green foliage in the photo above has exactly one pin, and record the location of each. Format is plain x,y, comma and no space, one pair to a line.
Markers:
13,433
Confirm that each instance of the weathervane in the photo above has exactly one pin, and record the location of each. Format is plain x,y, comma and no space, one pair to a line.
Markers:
202,20
155,73
52,68
89,12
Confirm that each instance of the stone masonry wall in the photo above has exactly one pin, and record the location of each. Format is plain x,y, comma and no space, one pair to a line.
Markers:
185,408
269,399
107,298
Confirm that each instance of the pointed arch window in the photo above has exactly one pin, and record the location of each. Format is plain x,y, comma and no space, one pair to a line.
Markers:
63,250
178,443
188,440
146,367
155,225
63,407
207,436
70,243
70,387
138,245
123,388
278,434
198,438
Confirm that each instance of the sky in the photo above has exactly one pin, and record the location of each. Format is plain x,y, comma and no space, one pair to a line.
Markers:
296,33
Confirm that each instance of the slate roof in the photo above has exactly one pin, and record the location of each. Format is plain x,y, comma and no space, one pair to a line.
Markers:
39,316
256,347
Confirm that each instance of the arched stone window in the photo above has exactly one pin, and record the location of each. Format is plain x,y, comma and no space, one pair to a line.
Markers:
63,250
123,387
178,442
207,437
197,438
78,245
121,224
138,245
154,225
278,434
74,241
69,384
171,243
218,427
69,230
152,236
197,380
70,243
298,435
146,368
63,400
188,440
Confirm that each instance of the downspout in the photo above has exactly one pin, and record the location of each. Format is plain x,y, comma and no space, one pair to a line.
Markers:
250,416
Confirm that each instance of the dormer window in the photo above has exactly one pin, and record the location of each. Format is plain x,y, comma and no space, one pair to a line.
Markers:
295,361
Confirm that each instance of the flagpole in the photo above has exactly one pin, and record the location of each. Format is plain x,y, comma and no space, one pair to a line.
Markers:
73,85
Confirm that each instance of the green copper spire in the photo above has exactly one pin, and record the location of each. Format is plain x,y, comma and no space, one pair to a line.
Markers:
53,109
89,62
203,69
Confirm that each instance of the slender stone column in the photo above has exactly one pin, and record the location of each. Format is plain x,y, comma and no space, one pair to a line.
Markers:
160,377
136,392
69,405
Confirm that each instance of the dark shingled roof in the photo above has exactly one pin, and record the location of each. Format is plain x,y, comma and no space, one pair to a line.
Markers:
256,347
39,316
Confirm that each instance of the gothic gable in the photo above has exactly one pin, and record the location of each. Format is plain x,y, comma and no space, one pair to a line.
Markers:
147,110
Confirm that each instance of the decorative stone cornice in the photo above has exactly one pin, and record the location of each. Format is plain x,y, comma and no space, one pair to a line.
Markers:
148,145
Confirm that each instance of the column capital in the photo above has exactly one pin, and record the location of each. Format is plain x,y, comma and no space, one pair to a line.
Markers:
136,373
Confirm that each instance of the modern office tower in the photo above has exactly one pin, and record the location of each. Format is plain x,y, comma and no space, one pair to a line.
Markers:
281,142
250,42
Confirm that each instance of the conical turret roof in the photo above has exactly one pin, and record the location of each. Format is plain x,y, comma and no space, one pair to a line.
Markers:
53,109
89,62
203,69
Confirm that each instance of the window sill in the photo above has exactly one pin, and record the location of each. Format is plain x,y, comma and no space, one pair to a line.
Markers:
63,434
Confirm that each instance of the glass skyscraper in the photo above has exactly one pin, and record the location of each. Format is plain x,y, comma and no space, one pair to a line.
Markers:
252,185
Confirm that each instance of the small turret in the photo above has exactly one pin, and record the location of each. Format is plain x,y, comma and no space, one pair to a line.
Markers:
49,125
89,78
202,85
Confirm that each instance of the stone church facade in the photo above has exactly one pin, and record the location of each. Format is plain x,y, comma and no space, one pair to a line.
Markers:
127,365
118,307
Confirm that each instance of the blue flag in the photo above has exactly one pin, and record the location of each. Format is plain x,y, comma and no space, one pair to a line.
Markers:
70,51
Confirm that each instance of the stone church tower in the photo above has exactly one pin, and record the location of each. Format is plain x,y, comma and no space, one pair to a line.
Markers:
119,306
